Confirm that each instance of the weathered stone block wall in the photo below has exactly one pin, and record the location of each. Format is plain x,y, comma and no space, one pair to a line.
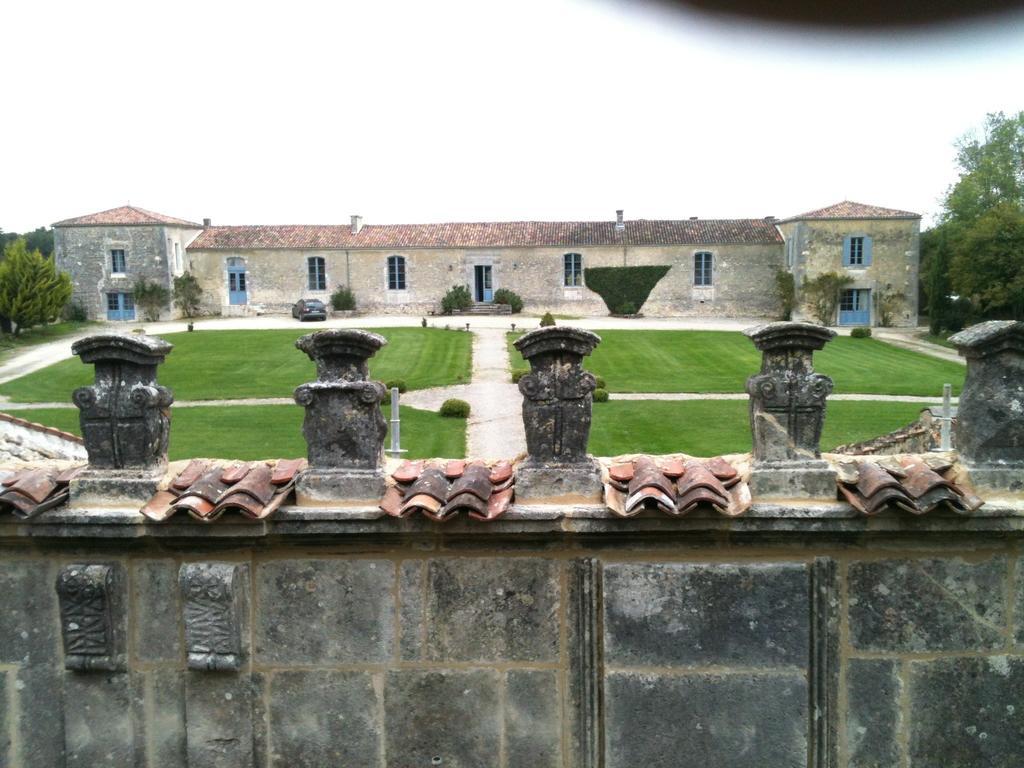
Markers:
562,643
743,278
84,253
818,248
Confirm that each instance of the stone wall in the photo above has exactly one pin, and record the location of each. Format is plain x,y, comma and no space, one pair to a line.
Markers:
84,253
743,278
532,644
817,247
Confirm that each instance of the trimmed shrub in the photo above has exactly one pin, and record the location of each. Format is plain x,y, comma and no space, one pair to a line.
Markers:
505,296
785,287
860,333
187,294
75,313
624,289
547,320
600,395
343,300
600,382
392,383
455,409
457,298
518,373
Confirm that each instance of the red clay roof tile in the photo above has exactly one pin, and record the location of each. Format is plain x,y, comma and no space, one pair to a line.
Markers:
847,209
512,234
125,216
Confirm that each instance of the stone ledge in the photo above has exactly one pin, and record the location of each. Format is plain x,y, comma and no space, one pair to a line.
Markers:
521,520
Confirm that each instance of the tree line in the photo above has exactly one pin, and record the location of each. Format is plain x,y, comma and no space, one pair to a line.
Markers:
972,260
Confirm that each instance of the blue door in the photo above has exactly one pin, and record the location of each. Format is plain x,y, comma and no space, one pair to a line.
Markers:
855,307
120,306
236,286
484,282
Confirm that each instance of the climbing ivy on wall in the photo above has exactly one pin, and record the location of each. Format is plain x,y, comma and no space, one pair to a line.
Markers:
624,289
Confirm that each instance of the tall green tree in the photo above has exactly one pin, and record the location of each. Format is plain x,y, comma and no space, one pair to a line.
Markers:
977,251
32,291
988,264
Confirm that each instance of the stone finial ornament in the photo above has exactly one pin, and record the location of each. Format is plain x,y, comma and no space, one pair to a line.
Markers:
125,423
124,414
990,417
92,616
215,601
557,408
787,411
344,427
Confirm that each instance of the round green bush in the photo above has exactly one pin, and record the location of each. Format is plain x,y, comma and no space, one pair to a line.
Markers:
518,373
343,299
600,395
455,408
860,333
600,382
505,296
457,298
547,320
392,383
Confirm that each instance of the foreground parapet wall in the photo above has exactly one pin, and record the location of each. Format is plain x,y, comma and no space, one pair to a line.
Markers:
550,637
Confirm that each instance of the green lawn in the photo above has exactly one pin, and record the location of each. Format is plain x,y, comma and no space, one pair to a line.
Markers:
250,432
208,365
721,361
711,427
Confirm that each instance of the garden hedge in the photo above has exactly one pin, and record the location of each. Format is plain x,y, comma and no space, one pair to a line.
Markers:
624,288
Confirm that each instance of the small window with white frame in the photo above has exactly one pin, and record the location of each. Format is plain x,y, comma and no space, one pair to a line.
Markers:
703,262
117,261
396,273
573,270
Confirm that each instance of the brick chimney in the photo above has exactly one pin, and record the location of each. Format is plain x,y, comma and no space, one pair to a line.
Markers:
619,223
357,224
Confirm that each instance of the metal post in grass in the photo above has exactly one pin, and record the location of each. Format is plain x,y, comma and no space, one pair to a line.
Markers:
396,450
945,441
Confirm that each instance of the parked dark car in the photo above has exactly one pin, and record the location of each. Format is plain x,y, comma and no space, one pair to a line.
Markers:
309,309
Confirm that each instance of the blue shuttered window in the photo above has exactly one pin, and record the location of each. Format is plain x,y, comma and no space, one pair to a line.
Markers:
856,251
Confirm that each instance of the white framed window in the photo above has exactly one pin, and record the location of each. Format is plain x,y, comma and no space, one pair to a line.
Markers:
572,270
703,262
396,273
316,270
117,261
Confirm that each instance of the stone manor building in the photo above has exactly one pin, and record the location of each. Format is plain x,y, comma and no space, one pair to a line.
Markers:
718,267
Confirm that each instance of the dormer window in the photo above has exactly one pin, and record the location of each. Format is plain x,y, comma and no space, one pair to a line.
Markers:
117,261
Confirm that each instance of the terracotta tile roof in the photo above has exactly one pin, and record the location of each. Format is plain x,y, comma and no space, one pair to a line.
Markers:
913,484
30,491
847,209
513,234
40,428
126,215
441,490
206,490
675,486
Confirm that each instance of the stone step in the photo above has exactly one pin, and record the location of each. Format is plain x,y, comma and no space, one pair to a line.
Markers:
482,308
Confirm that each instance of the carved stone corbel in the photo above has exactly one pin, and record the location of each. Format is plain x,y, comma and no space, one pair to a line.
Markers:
216,609
92,616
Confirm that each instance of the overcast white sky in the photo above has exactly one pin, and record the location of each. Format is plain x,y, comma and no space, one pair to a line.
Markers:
301,112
